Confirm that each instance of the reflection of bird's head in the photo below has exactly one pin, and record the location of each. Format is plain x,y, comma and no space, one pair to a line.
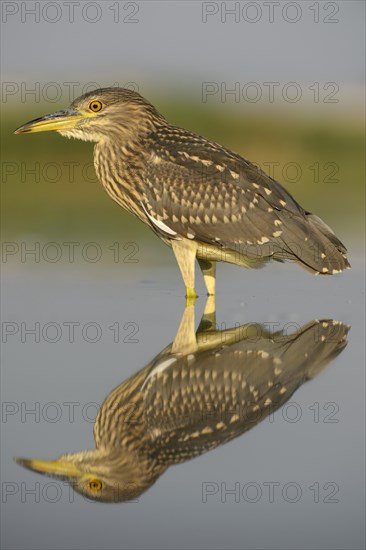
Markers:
98,115
96,474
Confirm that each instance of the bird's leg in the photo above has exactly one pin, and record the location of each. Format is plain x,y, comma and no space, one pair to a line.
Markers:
209,275
185,253
208,321
185,340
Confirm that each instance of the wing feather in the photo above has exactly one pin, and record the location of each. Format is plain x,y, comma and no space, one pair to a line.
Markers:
194,403
205,192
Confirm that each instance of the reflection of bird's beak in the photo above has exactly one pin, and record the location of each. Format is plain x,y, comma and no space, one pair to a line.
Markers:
61,120
60,467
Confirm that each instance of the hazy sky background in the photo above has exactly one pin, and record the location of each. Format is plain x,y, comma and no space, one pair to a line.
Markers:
170,45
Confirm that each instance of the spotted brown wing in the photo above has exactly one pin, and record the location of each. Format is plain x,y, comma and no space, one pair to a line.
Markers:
196,402
199,190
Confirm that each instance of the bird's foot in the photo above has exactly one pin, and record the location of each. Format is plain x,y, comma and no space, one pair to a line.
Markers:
191,296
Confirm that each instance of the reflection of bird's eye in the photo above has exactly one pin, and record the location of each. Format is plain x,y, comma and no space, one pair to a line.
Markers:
95,485
95,106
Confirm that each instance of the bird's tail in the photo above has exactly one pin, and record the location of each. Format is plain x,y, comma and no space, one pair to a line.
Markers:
314,245
314,346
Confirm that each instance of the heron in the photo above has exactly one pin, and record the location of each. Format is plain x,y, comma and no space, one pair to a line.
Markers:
200,198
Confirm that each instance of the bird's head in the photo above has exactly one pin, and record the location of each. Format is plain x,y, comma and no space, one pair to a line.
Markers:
97,475
99,115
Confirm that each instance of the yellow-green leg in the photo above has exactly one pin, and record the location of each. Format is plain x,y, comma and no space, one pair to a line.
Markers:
185,252
209,275
185,340
208,321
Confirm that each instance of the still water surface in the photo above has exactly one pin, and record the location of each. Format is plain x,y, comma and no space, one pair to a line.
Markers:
294,480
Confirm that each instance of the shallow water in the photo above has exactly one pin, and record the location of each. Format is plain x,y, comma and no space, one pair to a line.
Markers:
298,476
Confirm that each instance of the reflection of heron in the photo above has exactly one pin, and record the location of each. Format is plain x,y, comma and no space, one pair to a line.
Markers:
200,198
201,391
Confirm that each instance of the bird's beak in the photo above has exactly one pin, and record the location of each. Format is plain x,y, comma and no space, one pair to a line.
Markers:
61,120
60,468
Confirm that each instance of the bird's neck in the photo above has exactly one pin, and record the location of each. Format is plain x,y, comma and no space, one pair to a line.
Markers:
120,422
119,162
112,162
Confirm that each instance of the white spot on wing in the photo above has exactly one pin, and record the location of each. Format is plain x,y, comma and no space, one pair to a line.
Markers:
155,159
159,224
159,369
234,175
207,430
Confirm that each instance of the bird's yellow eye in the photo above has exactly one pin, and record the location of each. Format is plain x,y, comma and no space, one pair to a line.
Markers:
95,485
95,106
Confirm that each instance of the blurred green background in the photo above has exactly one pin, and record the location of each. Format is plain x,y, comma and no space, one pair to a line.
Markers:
169,53
50,190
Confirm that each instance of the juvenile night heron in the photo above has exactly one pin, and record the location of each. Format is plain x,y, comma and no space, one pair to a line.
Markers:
203,390
200,198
